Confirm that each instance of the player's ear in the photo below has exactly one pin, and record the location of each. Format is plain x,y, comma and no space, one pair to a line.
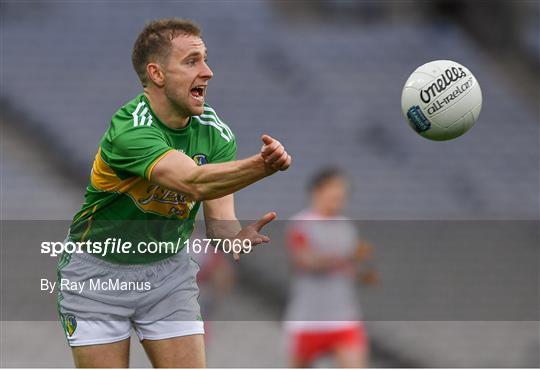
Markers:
155,74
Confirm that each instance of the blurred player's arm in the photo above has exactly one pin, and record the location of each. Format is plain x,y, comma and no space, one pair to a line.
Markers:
221,222
363,252
178,172
364,256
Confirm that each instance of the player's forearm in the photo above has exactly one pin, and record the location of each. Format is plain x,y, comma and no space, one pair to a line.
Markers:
178,172
222,229
213,181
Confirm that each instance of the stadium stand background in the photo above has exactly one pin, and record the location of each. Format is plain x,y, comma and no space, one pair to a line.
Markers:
325,78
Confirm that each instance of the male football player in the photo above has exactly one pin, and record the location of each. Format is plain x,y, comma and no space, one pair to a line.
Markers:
164,153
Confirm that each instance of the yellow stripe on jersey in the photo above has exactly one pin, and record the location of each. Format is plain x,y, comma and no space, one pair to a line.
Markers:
83,237
104,178
148,196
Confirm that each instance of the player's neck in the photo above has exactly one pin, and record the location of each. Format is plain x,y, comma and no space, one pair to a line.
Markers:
165,112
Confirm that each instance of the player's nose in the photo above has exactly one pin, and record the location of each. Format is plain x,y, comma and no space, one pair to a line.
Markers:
206,72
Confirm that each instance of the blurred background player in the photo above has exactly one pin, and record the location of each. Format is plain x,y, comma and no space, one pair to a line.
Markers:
148,182
323,317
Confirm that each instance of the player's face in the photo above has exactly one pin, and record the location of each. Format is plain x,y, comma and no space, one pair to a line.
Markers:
187,75
332,195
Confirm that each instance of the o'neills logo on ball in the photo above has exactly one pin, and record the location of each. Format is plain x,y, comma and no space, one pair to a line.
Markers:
438,96
449,76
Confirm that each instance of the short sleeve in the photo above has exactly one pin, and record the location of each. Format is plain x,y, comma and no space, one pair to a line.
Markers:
354,233
135,150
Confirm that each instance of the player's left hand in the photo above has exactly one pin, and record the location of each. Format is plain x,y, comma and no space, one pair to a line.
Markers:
363,252
369,277
251,232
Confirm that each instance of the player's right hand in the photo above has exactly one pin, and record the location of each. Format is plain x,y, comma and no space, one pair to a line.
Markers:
274,154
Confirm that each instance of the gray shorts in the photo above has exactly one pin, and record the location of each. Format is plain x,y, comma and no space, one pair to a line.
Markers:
100,302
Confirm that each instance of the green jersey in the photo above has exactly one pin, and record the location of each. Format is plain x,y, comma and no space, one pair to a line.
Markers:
122,203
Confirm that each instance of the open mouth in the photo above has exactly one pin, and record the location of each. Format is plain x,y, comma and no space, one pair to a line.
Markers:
198,92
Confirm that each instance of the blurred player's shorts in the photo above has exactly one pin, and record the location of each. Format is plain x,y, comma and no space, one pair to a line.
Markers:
308,345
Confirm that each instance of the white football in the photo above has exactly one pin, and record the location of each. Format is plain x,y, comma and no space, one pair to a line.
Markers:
441,100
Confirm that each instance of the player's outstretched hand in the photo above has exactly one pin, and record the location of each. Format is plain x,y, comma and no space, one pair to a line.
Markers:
274,154
251,232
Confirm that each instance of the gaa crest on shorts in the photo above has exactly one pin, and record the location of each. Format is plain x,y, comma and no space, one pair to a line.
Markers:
70,323
200,159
